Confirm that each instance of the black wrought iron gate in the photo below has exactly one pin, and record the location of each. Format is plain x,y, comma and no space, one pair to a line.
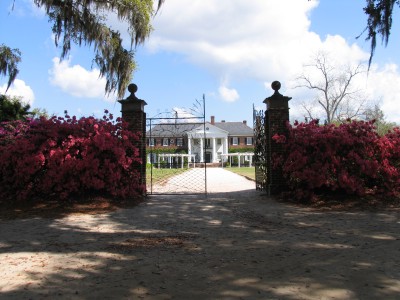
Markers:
175,164
260,150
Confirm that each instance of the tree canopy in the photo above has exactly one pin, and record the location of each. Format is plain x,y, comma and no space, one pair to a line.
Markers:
9,59
12,109
85,23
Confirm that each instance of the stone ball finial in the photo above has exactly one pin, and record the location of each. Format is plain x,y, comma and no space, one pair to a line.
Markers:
276,85
132,88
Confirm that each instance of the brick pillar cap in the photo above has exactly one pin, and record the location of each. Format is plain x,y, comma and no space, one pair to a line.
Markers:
276,100
132,88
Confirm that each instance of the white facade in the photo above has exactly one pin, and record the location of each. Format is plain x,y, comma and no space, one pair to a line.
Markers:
213,140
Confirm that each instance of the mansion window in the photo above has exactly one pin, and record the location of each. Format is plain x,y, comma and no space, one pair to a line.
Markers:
235,141
219,141
249,141
165,142
151,142
179,142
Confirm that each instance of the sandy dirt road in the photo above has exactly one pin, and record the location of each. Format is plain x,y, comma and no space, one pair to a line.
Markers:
230,245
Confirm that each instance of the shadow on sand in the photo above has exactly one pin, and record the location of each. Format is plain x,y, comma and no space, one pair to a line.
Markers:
240,245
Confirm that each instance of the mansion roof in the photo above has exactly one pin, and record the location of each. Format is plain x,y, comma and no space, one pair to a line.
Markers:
181,129
235,128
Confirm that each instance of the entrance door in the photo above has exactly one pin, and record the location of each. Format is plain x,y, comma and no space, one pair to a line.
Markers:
208,157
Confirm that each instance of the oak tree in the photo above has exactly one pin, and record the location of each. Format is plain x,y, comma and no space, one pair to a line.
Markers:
84,22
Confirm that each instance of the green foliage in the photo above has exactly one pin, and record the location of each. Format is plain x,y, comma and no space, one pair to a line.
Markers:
163,163
382,127
12,109
248,172
234,159
156,150
37,113
84,22
9,59
241,150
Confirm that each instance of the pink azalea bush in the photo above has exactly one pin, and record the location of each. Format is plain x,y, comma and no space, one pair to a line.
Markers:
63,157
350,158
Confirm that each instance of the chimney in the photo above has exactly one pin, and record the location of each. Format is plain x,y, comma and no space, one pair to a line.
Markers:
212,120
244,122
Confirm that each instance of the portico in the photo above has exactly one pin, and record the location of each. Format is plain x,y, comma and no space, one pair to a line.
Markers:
207,144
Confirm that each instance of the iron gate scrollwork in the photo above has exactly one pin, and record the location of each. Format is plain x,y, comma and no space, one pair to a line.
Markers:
260,150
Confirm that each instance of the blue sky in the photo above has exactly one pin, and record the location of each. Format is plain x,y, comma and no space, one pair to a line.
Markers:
229,50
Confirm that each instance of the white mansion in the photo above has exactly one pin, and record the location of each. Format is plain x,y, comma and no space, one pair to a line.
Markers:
210,142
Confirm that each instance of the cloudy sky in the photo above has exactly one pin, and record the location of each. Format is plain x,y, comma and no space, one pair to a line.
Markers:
228,50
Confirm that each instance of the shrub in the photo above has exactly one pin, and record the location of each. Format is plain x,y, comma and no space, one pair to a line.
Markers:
65,156
350,158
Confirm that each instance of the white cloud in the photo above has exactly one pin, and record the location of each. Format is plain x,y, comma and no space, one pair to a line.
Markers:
188,115
252,42
182,115
227,94
181,112
383,85
19,89
263,41
77,81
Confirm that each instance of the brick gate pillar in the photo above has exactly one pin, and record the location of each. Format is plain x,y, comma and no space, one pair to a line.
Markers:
276,117
133,112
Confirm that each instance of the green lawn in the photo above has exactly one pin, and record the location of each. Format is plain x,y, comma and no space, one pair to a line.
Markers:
162,173
248,172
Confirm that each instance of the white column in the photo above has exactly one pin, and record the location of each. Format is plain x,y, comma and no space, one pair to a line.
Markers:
226,146
214,152
239,158
189,145
201,150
